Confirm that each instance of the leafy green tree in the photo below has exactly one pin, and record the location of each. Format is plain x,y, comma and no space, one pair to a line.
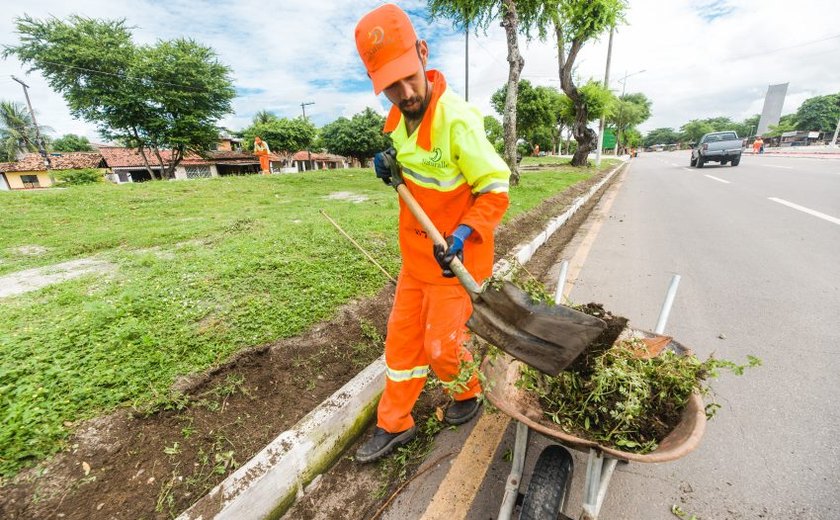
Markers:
168,95
359,137
819,113
748,126
787,123
694,130
495,133
629,111
574,23
478,14
281,134
264,116
17,131
538,111
77,177
661,136
72,143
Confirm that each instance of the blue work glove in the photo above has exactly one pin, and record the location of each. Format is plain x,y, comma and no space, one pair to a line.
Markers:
454,248
382,167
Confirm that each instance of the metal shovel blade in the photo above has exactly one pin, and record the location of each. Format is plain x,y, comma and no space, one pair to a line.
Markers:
556,324
499,315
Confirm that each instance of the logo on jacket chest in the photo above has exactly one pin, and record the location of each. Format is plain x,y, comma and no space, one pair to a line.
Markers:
436,160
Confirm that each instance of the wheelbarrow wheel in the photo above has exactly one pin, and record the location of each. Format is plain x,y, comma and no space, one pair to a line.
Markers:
549,487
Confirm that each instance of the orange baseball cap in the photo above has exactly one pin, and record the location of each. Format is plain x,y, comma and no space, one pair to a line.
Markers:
387,44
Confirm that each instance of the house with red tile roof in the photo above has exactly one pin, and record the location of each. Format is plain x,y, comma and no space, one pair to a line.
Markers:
30,172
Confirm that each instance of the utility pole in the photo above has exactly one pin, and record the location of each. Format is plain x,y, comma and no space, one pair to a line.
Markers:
467,62
41,148
303,107
600,146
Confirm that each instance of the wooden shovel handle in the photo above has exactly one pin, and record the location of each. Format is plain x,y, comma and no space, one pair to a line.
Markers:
457,267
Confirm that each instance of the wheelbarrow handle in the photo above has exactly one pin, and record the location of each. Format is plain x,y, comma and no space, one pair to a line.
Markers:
456,265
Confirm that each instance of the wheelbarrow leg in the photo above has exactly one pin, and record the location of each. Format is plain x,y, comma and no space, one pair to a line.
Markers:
520,448
599,470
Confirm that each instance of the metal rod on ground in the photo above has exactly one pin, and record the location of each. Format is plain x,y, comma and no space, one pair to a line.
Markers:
360,248
666,306
561,282
515,478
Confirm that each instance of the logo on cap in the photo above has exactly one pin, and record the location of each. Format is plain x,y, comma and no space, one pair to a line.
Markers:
376,35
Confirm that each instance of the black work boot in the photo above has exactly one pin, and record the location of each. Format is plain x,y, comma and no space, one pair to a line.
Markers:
460,412
382,443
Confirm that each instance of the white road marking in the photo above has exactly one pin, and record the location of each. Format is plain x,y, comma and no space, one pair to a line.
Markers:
674,164
775,166
803,209
689,169
716,179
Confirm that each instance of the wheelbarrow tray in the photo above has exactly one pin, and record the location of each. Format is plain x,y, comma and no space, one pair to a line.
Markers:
503,372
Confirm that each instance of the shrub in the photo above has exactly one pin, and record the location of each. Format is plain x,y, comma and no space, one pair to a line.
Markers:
76,177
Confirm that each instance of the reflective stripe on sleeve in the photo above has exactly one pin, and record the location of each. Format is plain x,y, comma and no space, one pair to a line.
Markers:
404,375
495,187
441,184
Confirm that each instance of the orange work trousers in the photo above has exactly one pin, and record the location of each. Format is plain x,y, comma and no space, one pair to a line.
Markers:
427,328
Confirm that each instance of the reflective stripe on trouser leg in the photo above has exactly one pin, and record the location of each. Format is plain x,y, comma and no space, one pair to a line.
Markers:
426,326
405,358
446,334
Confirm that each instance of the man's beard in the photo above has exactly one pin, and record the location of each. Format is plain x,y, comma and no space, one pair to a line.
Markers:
413,114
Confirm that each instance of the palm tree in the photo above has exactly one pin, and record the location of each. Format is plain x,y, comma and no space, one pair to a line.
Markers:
264,117
17,131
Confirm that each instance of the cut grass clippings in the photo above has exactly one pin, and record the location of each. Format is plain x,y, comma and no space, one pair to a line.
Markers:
205,269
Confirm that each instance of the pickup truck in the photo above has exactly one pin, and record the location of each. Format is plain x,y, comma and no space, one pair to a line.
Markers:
722,147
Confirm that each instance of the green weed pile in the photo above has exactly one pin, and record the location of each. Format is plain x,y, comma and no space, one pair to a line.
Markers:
618,399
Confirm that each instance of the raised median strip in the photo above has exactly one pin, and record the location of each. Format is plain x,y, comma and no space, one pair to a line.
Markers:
268,484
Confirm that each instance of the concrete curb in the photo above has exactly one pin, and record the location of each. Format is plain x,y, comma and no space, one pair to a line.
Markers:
268,484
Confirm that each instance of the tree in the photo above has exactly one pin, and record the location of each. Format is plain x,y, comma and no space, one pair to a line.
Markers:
479,14
628,111
538,110
819,113
661,136
787,123
495,133
154,97
576,22
695,129
282,135
72,143
264,116
17,131
360,137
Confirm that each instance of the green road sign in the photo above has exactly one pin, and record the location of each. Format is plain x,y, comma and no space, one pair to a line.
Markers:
609,139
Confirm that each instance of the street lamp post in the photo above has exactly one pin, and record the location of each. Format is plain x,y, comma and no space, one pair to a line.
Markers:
623,91
600,147
303,108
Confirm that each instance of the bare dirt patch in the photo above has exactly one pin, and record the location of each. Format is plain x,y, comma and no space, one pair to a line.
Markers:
32,279
155,463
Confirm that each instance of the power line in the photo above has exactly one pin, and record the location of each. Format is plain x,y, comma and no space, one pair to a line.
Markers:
765,53
124,76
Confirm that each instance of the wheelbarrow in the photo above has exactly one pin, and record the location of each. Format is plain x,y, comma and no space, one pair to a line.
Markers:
552,474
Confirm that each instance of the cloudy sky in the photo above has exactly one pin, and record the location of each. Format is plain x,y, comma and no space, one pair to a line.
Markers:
693,58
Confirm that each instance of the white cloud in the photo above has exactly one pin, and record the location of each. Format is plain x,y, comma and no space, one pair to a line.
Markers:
700,58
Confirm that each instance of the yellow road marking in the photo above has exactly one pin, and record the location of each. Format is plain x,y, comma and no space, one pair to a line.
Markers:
458,490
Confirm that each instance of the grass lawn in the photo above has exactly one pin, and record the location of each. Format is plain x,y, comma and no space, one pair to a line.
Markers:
204,268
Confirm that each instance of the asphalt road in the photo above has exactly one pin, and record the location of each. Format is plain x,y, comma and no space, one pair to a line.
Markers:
757,247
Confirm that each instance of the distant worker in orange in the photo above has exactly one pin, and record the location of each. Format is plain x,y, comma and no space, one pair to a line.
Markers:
758,144
453,171
261,150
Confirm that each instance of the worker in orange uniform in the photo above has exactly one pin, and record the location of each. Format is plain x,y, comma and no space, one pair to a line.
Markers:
261,150
757,144
457,177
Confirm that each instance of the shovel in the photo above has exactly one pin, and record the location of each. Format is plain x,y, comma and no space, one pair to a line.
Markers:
546,337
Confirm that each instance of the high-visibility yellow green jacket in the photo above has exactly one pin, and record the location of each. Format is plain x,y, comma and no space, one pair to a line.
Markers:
457,178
